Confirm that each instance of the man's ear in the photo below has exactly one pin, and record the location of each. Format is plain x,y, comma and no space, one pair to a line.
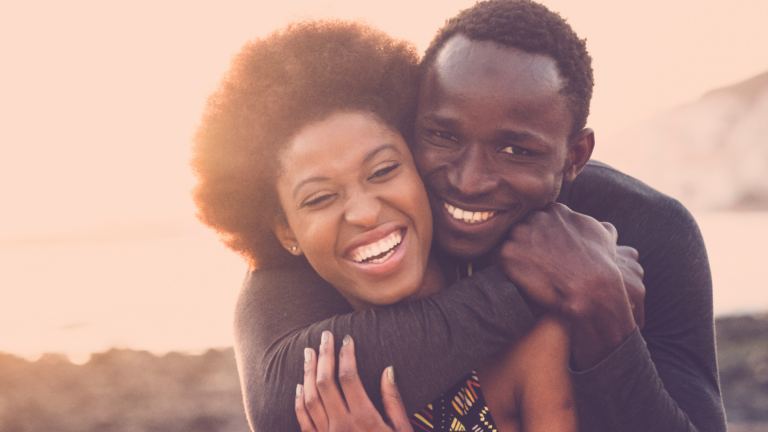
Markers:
579,151
285,235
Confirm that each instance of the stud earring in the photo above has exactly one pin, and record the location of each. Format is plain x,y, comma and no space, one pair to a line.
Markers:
293,248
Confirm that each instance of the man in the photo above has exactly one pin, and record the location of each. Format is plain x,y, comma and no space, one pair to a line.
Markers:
500,136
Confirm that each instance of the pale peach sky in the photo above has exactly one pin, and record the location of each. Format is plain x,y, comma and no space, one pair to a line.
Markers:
98,101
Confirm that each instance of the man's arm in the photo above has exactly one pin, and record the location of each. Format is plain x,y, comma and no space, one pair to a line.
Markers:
665,377
430,342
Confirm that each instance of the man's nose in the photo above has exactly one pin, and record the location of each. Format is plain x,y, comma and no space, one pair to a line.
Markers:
472,173
362,209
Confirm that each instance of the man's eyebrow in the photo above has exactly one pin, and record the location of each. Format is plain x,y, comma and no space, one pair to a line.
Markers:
446,122
511,135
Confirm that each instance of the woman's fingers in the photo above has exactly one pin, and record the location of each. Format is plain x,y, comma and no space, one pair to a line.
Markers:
312,401
320,406
305,421
393,403
357,399
334,404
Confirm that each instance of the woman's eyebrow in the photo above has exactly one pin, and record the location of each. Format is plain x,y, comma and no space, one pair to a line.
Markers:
305,181
378,150
368,157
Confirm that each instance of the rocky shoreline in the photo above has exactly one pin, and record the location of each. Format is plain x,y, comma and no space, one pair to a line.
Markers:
126,390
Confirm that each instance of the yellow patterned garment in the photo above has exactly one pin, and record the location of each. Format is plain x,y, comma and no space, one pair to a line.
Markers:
461,408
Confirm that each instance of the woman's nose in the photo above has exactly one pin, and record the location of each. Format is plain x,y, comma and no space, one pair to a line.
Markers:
363,209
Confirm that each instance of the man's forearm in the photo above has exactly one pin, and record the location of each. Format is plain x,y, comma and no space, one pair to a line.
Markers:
626,393
431,342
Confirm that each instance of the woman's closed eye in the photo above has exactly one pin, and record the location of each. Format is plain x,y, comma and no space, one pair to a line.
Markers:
317,199
383,172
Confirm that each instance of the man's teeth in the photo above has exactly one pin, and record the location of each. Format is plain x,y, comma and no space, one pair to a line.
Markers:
468,216
385,246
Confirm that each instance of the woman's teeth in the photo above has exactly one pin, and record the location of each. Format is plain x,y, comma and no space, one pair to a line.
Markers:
379,251
468,216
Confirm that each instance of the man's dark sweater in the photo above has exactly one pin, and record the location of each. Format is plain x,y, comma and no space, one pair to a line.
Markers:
661,379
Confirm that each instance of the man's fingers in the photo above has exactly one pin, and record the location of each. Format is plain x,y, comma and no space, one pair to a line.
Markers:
305,421
334,404
393,403
632,273
312,402
611,230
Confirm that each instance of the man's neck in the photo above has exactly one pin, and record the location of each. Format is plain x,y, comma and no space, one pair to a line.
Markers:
457,268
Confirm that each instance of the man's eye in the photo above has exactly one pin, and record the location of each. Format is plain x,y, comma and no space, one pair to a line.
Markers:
316,199
445,135
383,171
515,150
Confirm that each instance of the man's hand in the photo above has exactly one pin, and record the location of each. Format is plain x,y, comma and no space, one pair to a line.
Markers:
568,264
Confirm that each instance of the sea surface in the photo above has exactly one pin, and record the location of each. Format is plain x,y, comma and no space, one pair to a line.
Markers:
178,292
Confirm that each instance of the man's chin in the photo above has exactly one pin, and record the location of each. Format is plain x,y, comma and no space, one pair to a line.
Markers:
463,248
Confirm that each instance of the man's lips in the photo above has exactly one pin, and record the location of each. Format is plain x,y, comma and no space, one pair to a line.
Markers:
471,217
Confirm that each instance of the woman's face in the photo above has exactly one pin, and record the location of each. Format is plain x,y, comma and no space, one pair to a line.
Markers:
356,208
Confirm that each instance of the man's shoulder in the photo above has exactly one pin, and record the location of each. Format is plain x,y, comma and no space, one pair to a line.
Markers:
642,215
603,190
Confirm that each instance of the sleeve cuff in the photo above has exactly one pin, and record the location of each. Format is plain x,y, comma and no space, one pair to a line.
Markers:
628,359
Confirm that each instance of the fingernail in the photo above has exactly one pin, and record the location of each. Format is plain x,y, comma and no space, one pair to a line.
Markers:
307,355
298,390
391,374
325,336
346,340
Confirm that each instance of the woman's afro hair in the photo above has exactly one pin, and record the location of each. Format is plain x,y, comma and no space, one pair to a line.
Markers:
276,86
533,28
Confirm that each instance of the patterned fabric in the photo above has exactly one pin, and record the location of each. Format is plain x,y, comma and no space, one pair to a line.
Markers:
461,408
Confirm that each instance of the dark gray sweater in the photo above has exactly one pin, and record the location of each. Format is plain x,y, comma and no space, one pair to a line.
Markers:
664,379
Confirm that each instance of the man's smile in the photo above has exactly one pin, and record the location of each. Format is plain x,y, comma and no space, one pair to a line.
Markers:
468,216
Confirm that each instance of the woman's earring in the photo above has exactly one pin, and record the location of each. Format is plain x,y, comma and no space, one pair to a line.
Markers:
293,248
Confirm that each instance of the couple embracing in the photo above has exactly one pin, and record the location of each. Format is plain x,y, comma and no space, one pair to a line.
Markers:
441,218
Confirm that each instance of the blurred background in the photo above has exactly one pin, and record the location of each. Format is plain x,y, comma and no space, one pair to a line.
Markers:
99,245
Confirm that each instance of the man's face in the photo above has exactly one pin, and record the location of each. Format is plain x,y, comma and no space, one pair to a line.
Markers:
491,141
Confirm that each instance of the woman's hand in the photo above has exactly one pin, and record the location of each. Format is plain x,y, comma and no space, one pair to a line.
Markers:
321,407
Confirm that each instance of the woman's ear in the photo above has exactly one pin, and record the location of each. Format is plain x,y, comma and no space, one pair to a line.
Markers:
285,235
579,151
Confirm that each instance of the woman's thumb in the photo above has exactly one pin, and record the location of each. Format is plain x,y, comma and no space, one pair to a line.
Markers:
393,403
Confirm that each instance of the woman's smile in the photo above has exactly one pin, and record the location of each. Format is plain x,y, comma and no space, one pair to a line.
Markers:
372,250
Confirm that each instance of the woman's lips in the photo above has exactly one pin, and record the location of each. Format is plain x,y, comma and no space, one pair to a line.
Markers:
386,261
379,250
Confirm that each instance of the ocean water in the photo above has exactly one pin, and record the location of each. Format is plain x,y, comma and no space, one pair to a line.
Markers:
178,293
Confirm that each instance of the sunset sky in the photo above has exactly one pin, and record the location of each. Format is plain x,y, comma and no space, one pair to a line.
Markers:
99,99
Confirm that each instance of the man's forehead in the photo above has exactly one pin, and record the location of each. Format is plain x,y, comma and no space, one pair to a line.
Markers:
465,65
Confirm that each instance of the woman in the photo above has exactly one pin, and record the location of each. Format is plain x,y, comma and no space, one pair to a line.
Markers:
307,136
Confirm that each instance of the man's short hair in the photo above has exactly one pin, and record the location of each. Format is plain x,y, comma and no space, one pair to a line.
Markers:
533,28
